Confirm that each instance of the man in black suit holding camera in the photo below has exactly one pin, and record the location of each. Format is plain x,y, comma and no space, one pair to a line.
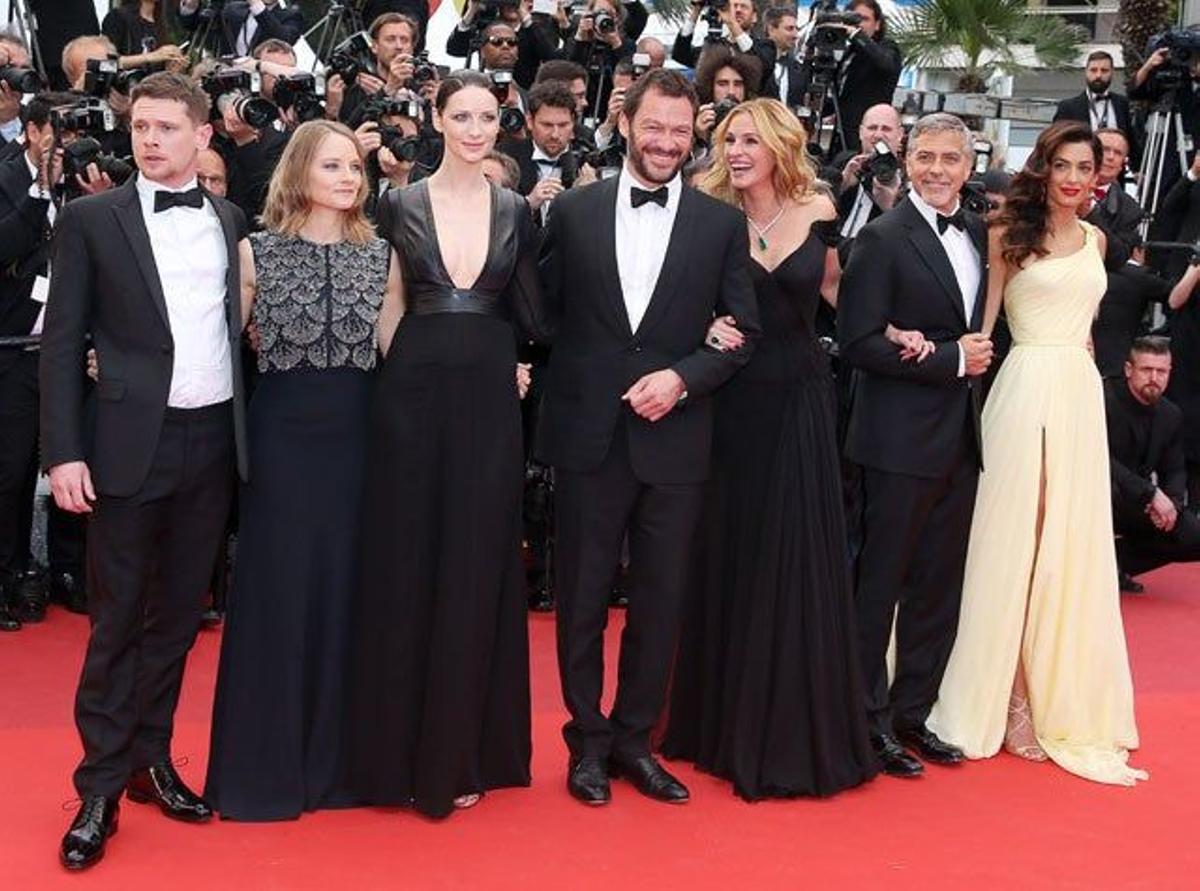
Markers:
150,272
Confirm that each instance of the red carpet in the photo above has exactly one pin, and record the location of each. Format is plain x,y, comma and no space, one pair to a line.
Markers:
999,824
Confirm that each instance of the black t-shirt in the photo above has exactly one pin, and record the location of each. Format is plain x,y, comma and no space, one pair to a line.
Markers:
130,33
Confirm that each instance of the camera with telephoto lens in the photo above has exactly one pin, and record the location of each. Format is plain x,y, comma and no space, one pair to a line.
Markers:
395,140
512,120
973,197
604,22
882,166
20,80
299,92
238,90
87,117
352,57
1183,48
712,17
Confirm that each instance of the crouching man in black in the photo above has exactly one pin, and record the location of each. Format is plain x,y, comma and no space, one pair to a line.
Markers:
1149,477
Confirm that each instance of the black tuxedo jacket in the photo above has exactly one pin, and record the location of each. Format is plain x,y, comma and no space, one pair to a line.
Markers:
1118,216
105,283
1119,318
521,151
597,357
906,417
1078,108
24,248
1181,204
1143,440
868,76
281,23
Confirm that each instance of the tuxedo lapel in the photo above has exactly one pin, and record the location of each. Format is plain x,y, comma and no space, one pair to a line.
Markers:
606,242
933,255
128,211
678,249
233,284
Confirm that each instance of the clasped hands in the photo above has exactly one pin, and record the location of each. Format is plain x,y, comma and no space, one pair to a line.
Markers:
976,348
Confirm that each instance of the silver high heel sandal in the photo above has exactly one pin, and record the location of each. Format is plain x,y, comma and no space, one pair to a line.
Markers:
1020,722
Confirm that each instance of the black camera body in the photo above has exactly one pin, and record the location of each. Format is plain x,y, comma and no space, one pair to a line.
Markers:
1183,48
299,92
352,57
882,166
20,80
395,140
512,120
87,117
973,198
424,71
82,152
241,90
721,110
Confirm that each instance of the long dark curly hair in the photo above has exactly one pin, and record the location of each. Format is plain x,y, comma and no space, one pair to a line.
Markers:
1026,214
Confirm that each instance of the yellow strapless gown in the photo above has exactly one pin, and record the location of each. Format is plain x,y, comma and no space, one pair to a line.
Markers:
1055,602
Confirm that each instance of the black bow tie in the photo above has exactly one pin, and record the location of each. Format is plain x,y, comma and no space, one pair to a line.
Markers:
638,197
956,219
166,200
547,162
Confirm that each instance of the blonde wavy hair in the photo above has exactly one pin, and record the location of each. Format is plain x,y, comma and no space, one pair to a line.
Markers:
793,176
288,204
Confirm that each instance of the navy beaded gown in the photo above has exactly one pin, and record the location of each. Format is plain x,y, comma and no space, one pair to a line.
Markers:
278,745
766,690
440,689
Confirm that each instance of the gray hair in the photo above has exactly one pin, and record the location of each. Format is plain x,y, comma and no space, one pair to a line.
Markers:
943,122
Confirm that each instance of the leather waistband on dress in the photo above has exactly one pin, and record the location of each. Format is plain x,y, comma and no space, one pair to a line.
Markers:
432,302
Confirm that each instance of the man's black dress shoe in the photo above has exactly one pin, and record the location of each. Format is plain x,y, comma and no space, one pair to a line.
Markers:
211,618
30,597
67,589
587,780
1129,584
541,600
162,786
893,760
83,845
8,622
926,744
650,778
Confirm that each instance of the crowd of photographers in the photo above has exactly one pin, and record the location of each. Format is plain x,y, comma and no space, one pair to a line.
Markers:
560,73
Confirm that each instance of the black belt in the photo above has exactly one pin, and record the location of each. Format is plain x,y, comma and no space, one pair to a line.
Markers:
459,301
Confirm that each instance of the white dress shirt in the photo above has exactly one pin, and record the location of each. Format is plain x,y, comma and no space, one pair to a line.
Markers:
860,213
192,261
964,259
41,284
642,238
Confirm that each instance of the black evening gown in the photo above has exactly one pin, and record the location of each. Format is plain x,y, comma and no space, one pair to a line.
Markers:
766,690
278,719
440,692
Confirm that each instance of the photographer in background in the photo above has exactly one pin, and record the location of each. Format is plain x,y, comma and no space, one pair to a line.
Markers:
136,26
736,19
417,10
394,38
243,25
13,55
546,163
599,43
1112,209
29,180
1161,77
574,77
789,81
872,180
869,71
536,34
724,78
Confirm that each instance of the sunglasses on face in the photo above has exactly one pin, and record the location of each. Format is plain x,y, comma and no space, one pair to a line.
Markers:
502,41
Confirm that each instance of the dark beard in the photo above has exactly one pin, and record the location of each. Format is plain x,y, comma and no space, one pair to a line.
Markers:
635,161
1099,88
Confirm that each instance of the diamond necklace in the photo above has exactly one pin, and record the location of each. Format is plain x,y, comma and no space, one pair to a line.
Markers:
763,230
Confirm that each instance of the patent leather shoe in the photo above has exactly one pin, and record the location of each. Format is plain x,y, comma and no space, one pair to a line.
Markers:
929,747
893,760
161,785
1129,584
8,622
649,777
67,588
30,597
587,781
541,600
96,821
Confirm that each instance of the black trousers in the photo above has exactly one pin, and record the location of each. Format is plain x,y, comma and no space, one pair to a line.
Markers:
18,458
150,557
592,513
1141,547
915,533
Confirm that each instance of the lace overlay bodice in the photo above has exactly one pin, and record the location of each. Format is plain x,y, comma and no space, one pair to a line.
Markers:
317,304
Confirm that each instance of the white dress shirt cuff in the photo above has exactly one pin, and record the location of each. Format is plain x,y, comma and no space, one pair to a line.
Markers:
1191,174
36,191
187,7
962,361
687,29
256,7
745,42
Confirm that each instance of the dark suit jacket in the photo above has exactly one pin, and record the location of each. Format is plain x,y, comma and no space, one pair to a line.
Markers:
1118,216
521,151
597,357
535,44
868,76
286,24
906,417
24,248
1182,204
105,283
1078,108
1143,440
1119,320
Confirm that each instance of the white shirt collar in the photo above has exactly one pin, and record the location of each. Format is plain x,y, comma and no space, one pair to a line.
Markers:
628,181
33,171
926,211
